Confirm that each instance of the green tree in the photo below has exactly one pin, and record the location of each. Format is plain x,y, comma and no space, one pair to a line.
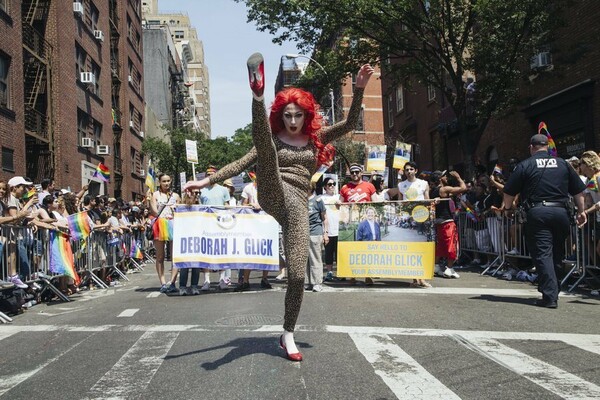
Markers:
170,157
436,42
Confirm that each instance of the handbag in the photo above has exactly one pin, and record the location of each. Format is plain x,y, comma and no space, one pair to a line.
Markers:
150,230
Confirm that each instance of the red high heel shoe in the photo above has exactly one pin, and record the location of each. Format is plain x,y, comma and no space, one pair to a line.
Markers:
290,356
256,73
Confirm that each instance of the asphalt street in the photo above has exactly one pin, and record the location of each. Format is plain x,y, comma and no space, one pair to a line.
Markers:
470,338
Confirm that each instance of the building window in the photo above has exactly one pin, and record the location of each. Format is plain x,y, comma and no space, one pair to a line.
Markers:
88,128
135,119
4,6
179,34
4,81
92,15
430,92
399,98
8,159
391,110
135,78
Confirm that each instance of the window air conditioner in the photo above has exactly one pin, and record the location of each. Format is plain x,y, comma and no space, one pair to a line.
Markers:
130,79
87,142
142,134
88,77
78,8
99,35
541,60
142,172
103,149
131,124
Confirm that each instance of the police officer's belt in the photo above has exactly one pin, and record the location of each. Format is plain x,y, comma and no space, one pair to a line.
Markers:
547,204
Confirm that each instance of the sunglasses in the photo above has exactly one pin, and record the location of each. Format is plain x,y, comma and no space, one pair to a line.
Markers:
331,184
354,172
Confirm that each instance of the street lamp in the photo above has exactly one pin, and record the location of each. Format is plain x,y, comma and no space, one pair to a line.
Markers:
325,72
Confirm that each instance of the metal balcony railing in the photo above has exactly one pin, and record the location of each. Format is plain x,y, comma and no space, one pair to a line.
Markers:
36,42
36,122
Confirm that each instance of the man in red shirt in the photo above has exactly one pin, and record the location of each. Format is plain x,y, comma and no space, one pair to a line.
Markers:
357,191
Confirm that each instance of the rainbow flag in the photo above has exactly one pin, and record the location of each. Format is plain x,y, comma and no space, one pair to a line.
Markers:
252,176
29,194
61,256
551,145
472,215
150,179
80,225
135,252
102,172
594,184
163,229
498,169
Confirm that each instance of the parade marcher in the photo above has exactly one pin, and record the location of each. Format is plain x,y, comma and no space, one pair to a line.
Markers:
357,191
332,206
287,153
161,206
413,189
445,227
545,183
319,227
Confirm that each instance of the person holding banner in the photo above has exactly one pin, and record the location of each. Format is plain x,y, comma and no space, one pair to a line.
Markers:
161,207
289,146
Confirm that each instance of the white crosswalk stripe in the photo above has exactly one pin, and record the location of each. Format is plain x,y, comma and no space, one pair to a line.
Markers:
554,379
134,371
403,375
133,368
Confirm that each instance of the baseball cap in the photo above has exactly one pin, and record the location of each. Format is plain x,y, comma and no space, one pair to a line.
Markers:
356,167
211,169
539,140
18,180
228,182
437,175
111,199
573,159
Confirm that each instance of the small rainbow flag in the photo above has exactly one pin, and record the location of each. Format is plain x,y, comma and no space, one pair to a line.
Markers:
102,172
498,169
472,215
252,176
551,145
594,184
80,225
150,179
135,252
61,256
29,194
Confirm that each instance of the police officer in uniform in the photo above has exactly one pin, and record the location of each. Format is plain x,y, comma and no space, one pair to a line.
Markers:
545,183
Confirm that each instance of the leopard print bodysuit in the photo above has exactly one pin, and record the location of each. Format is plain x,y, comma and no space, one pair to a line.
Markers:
283,182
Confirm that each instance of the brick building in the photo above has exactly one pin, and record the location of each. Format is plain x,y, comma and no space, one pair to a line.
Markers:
82,95
11,90
561,90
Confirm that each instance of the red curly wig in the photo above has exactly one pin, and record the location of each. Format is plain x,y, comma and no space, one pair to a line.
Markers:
312,119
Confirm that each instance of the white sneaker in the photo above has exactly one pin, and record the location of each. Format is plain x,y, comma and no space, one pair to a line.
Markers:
451,273
205,287
437,270
222,285
317,288
513,251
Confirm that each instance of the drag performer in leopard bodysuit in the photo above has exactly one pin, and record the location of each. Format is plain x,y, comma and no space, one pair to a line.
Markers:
288,148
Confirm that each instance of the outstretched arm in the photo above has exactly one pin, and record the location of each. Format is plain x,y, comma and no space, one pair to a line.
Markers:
329,134
231,169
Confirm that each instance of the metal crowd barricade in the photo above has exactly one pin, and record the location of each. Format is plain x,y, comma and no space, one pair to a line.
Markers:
482,235
583,246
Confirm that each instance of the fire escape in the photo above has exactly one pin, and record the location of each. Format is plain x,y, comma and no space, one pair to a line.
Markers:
115,69
39,154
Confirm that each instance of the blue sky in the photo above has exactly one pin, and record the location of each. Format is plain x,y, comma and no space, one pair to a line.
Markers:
228,41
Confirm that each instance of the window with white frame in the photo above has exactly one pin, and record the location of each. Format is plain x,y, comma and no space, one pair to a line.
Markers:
399,98
4,81
391,110
4,6
430,92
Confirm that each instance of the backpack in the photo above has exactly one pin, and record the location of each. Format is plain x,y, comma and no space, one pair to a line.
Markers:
12,300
